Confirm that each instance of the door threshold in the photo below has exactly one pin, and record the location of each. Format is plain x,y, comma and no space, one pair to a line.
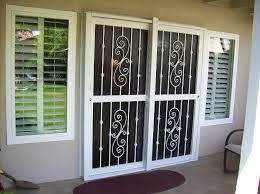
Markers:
113,174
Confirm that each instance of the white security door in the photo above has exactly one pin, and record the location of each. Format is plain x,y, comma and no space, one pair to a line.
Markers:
140,112
176,94
117,98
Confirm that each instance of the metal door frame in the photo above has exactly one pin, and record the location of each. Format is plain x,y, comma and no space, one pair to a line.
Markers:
153,26
178,28
104,19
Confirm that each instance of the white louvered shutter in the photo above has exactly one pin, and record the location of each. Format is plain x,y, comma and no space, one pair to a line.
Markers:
40,75
219,78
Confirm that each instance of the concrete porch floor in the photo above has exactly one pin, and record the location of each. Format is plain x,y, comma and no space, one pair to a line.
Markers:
204,176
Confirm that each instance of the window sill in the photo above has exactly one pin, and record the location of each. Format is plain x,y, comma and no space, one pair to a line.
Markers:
217,122
40,138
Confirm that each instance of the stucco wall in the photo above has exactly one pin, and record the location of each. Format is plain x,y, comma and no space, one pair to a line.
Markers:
44,162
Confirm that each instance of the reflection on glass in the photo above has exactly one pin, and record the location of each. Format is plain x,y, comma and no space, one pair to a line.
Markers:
219,45
41,56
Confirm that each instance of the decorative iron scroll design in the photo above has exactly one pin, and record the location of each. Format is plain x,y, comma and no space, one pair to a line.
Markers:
122,66
177,56
173,122
119,142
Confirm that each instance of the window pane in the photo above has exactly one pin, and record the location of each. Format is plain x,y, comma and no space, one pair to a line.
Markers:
41,56
221,58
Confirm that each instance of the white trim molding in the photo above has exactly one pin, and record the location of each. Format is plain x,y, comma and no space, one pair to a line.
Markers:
230,36
11,12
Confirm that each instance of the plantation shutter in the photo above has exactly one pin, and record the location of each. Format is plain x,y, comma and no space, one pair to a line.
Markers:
40,75
55,74
219,78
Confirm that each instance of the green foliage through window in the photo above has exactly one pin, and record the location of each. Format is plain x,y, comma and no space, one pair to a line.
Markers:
41,59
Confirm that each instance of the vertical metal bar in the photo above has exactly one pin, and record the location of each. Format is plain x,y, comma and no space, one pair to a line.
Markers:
175,88
187,122
130,62
120,88
136,127
101,105
168,87
188,105
100,137
191,55
102,65
111,93
129,93
120,91
139,59
184,63
160,91
127,130
182,88
137,92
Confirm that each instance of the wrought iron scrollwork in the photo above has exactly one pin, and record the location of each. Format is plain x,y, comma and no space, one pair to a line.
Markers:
122,65
173,122
118,126
177,56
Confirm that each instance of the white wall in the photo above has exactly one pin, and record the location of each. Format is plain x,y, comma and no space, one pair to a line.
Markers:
249,171
60,160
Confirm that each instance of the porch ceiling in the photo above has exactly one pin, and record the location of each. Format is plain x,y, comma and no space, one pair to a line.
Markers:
247,5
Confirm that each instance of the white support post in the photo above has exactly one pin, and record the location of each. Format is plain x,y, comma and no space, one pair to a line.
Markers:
149,108
249,172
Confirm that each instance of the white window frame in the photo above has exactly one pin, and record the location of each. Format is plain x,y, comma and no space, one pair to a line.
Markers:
234,37
11,12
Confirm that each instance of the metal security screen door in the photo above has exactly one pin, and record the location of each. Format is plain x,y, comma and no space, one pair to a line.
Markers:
117,101
118,98
176,96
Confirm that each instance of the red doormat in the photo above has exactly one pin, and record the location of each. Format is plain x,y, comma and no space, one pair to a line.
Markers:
143,183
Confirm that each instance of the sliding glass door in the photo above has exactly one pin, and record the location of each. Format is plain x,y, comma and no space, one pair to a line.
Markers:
119,81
